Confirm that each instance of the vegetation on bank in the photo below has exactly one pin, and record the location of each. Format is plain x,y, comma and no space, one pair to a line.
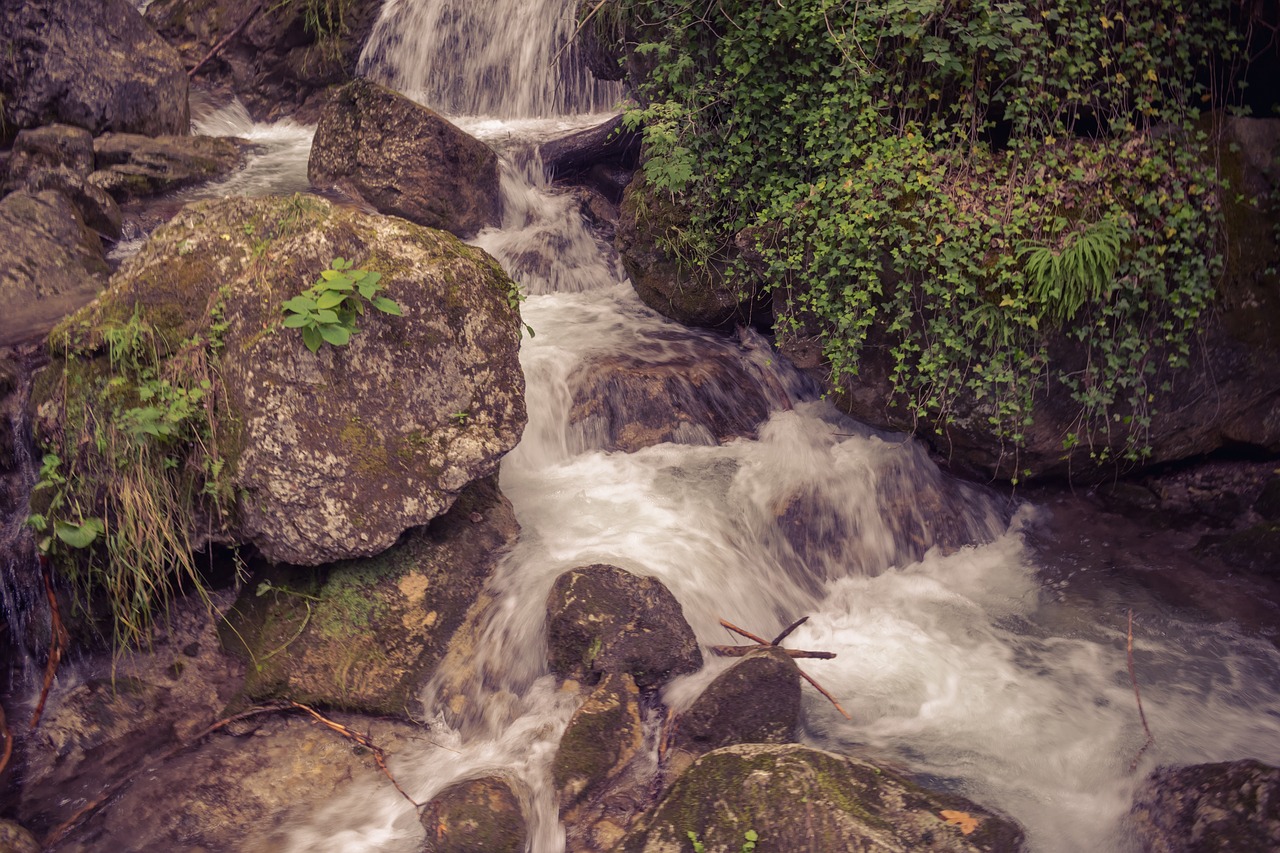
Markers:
970,189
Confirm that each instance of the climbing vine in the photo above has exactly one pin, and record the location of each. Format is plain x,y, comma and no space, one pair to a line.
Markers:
956,187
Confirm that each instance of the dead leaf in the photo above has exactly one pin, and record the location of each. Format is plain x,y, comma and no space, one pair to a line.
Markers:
963,820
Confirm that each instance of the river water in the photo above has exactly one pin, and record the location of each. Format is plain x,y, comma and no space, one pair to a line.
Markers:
963,653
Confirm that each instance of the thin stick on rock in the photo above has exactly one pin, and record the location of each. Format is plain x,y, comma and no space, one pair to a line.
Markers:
745,633
762,643
742,651
786,632
220,46
1142,715
7,750
364,740
58,642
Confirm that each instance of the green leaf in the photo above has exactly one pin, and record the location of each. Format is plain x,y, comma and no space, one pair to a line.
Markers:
311,337
387,306
296,321
79,535
300,304
336,335
330,300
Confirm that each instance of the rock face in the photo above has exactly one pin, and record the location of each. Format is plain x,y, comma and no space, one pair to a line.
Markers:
807,801
1210,807
477,816
130,166
285,58
757,700
602,619
50,263
331,454
95,65
60,157
602,157
403,159
604,734
367,634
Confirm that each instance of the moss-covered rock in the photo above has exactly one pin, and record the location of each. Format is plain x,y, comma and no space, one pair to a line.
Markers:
603,619
477,816
803,800
401,158
604,734
757,700
1210,807
130,166
367,634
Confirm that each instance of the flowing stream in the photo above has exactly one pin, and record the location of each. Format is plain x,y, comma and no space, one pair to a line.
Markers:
963,654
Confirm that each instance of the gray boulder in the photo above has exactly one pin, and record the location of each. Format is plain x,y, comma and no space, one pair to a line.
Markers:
50,263
132,166
603,619
95,65
1209,807
808,801
379,147
329,454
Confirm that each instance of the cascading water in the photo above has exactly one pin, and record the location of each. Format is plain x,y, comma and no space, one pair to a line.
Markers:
961,654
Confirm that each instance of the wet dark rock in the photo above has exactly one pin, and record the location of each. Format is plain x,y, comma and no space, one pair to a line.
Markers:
757,700
279,65
807,801
50,263
1267,504
1255,549
97,65
403,159
477,816
602,157
331,454
1210,807
674,393
601,738
132,166
603,619
702,299
367,634
57,146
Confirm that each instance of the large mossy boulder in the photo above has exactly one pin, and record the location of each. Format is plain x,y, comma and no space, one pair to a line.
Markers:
50,263
367,634
323,455
96,65
1210,807
403,159
805,800
603,619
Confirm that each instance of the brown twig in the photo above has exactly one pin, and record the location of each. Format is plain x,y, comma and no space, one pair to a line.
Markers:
1142,715
58,642
762,643
741,651
220,46
7,750
362,739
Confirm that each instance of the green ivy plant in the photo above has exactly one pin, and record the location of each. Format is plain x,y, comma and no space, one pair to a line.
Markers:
327,311
953,187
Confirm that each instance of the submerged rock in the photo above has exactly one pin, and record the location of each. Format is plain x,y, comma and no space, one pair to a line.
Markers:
50,263
477,816
805,800
603,619
330,454
1209,807
96,65
401,158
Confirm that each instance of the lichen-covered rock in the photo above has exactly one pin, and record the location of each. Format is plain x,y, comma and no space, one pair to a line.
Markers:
367,634
329,454
660,280
477,816
603,735
757,700
805,800
131,166
57,146
603,619
1210,807
95,65
50,263
403,159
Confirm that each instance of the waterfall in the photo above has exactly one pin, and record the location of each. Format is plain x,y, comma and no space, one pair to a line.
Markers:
500,58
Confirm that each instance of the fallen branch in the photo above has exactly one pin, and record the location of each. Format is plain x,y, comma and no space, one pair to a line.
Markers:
761,643
364,740
7,750
58,642
220,46
1133,679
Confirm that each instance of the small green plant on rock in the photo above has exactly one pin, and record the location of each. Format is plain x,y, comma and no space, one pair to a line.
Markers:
326,312
750,837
